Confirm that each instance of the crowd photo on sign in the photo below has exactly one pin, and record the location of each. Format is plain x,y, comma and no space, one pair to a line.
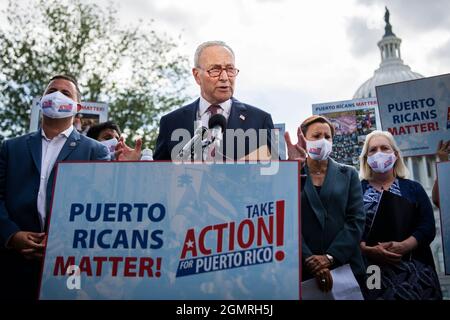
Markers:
208,166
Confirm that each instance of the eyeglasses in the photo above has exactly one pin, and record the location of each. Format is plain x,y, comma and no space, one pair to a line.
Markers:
217,71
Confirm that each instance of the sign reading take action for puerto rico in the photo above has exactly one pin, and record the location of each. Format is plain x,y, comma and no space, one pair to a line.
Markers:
160,230
443,176
417,113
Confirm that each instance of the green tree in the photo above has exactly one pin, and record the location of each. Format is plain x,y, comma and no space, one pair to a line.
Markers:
134,69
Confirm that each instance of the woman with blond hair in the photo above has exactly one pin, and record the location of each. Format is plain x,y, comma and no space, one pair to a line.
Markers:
407,266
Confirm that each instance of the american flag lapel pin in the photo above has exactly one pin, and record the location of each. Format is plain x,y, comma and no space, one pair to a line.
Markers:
242,117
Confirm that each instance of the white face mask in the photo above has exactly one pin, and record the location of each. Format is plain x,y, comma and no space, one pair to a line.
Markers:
57,106
111,145
319,149
381,162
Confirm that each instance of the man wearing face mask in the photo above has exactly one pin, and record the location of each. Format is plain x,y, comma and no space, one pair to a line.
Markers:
27,168
407,266
332,207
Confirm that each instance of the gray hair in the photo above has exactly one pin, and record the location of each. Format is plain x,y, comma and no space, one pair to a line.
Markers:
208,44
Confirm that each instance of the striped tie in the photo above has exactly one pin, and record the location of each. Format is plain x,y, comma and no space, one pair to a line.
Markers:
214,109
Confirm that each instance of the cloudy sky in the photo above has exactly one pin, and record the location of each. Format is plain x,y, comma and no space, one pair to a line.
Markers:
293,53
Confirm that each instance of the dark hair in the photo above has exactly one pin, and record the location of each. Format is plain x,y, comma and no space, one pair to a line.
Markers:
71,79
314,119
95,130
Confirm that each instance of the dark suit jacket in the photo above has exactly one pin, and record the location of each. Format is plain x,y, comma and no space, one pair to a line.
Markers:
333,221
20,166
424,226
242,116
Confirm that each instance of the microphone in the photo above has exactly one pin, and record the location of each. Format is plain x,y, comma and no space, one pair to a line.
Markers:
217,124
189,148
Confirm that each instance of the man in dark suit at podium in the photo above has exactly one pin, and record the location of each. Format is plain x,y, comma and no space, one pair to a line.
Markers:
27,169
215,73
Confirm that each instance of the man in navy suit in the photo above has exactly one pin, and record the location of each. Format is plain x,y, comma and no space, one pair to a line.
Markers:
26,180
215,73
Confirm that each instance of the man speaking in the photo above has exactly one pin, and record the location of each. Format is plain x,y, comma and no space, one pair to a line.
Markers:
215,72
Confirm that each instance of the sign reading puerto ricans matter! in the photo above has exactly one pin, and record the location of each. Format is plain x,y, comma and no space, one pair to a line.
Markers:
159,230
417,113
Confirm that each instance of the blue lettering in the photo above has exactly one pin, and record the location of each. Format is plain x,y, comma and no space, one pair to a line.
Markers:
79,238
75,210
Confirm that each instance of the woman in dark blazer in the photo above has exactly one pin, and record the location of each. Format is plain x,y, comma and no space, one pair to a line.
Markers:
332,206
403,253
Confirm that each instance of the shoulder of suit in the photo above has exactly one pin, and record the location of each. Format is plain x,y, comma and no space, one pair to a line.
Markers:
250,107
20,139
177,112
403,182
344,168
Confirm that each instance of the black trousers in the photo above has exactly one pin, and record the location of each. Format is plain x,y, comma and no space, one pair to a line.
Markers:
19,277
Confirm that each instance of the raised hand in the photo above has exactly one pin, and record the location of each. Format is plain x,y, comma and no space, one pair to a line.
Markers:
125,153
296,151
443,150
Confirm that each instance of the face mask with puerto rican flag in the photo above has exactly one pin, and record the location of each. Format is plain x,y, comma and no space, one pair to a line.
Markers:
56,105
381,162
319,149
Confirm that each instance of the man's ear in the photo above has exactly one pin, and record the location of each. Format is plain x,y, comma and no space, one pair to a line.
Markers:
195,72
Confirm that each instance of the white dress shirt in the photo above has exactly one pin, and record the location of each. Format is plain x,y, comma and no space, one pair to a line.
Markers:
50,151
203,116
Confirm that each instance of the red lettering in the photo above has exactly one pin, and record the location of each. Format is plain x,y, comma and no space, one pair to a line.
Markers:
431,126
201,240
393,131
251,233
115,262
219,228
264,230
231,237
146,264
189,244
85,266
423,127
99,261
130,266
60,267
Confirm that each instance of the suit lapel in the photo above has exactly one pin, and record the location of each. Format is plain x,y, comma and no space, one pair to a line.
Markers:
314,200
238,115
72,142
190,114
330,181
35,146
